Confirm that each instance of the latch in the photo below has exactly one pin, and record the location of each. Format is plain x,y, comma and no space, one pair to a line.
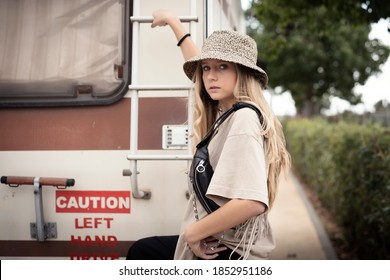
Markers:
39,230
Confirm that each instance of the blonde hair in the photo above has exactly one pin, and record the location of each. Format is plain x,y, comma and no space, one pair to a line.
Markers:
249,90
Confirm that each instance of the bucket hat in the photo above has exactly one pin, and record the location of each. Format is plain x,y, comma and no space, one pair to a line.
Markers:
230,46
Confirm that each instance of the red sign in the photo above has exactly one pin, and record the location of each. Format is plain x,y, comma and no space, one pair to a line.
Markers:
92,201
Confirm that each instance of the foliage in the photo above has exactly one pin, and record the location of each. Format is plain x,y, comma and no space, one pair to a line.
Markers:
382,106
311,50
354,11
348,165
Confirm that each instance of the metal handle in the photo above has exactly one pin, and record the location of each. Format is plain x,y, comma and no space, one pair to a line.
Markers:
43,181
39,230
149,19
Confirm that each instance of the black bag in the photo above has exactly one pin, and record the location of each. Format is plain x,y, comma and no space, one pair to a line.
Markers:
201,170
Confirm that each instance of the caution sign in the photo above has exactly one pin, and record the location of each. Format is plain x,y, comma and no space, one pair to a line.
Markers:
92,201
88,243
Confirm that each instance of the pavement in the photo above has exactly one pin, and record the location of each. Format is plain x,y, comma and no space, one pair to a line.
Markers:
297,227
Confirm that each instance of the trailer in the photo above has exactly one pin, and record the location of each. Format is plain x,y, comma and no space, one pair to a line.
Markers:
95,120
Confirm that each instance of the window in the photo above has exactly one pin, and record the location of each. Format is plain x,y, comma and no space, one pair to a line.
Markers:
63,52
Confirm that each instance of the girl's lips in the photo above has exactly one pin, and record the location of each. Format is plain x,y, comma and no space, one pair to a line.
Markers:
214,89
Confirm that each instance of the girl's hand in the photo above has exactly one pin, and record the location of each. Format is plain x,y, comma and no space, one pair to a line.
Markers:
207,249
166,17
162,17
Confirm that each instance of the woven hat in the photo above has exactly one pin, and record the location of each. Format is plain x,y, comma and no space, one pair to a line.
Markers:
230,46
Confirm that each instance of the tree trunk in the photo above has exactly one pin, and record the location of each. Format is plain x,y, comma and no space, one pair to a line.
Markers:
307,110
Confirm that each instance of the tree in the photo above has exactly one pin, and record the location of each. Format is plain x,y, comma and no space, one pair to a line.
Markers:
311,50
382,106
356,11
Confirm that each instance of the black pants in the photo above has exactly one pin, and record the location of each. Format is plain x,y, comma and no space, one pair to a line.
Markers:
163,248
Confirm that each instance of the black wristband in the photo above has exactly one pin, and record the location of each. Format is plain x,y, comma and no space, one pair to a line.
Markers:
182,39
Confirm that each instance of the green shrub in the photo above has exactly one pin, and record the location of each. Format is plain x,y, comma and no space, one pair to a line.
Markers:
348,165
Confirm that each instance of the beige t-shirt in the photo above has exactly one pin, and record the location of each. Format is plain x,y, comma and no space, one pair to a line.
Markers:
237,157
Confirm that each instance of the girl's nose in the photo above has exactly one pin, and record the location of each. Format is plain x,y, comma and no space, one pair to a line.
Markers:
212,75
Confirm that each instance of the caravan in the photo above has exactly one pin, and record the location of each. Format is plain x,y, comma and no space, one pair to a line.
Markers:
95,114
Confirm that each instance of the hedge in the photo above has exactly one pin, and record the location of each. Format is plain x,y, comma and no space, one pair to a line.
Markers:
348,165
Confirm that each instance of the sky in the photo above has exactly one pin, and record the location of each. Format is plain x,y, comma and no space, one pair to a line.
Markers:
376,88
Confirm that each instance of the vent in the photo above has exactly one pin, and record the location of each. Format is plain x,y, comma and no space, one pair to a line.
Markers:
175,137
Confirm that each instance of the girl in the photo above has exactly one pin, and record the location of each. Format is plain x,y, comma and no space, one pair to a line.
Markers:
247,155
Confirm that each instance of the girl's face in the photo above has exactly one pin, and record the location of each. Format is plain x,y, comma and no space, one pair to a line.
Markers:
219,78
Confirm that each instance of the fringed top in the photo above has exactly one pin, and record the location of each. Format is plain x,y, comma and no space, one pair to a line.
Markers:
249,232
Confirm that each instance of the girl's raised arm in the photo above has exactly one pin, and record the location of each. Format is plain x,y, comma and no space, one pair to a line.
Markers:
187,45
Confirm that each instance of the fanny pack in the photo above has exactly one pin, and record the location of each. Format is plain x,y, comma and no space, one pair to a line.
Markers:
201,170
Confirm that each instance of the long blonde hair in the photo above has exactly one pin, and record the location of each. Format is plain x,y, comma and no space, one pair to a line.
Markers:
248,90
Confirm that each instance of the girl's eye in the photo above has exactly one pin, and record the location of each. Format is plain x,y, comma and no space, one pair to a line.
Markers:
205,68
223,66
